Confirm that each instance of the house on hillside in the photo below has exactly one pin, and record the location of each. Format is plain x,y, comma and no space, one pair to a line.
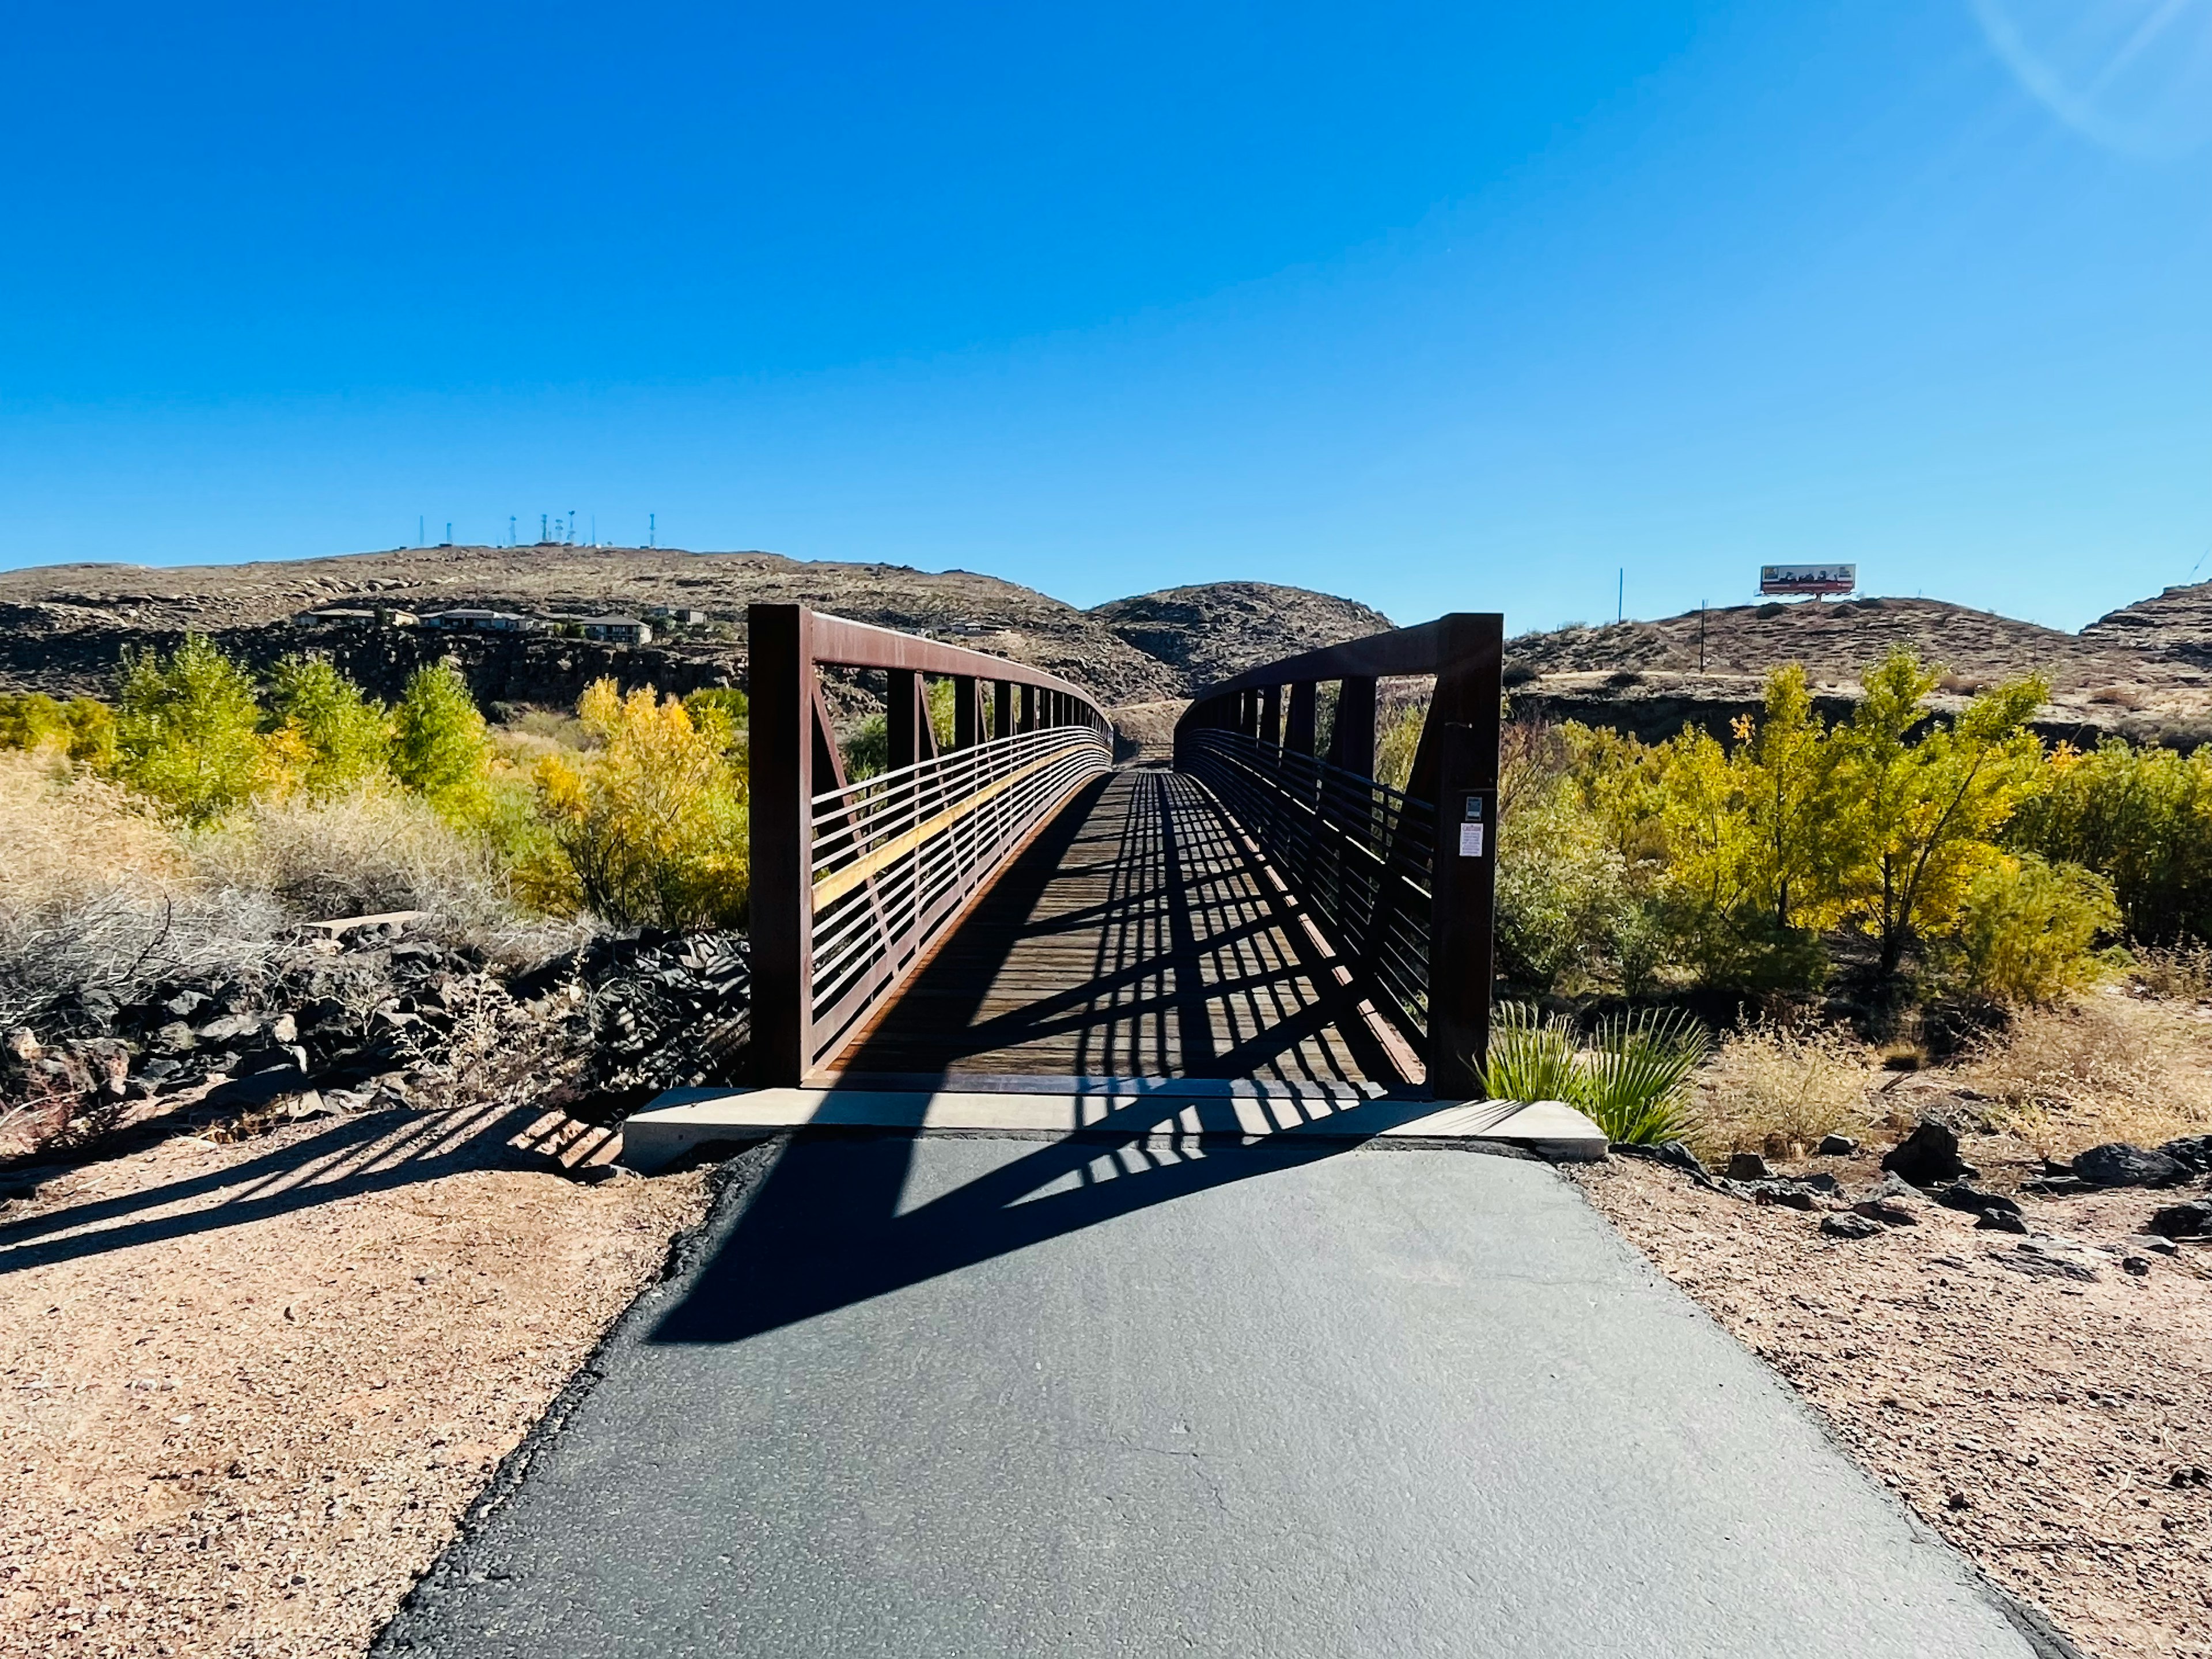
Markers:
472,619
616,630
346,615
677,614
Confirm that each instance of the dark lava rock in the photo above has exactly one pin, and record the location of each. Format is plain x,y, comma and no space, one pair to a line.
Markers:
2190,1220
1837,1147
1890,1215
1747,1166
1672,1154
1972,1200
2000,1221
1849,1226
1821,1182
2118,1164
2192,1152
2137,1265
1786,1193
1928,1156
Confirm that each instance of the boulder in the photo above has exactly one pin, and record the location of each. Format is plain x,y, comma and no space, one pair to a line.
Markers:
1747,1166
1888,1213
2118,1164
1837,1147
177,1037
2000,1221
2190,1220
1849,1226
1928,1156
1972,1200
2192,1152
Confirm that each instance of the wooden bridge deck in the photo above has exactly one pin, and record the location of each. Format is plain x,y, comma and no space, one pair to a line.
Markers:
1137,935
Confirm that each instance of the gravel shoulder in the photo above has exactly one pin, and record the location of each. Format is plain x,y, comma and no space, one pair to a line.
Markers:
2058,1429
250,1389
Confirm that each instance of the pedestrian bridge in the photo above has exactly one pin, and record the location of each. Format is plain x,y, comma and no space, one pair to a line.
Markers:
1019,930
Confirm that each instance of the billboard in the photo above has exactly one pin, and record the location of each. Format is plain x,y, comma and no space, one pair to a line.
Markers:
1807,578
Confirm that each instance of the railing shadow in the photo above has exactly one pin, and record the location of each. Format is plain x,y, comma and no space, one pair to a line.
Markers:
378,1152
822,1229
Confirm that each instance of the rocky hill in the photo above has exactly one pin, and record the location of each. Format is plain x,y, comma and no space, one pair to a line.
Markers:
2144,672
62,628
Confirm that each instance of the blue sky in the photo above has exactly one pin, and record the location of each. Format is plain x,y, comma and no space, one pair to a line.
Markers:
1462,306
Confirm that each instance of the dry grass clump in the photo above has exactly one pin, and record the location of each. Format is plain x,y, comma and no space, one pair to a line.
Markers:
2109,1067
1777,1089
96,897
2180,971
358,853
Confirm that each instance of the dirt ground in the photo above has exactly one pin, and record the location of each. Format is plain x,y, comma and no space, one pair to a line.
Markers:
2058,1430
250,1389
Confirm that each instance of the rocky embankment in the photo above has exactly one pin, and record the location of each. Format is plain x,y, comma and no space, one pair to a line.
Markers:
352,1017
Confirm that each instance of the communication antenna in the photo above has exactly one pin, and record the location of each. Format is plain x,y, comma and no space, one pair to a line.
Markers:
544,534
449,533
510,530
652,530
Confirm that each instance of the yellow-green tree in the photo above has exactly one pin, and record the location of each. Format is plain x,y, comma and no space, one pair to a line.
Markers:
83,726
440,748
1918,821
339,738
188,731
653,822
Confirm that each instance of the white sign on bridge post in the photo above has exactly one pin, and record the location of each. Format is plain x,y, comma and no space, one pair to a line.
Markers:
1813,579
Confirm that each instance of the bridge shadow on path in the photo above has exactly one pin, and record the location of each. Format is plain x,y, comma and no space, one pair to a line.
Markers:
822,1227
1138,936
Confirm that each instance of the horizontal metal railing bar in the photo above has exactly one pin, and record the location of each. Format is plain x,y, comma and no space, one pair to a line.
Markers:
845,877
862,645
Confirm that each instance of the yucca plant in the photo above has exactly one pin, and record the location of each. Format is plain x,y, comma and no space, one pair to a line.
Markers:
1532,1057
1633,1082
1636,1080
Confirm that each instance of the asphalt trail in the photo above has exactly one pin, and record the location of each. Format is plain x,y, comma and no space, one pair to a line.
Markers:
939,1396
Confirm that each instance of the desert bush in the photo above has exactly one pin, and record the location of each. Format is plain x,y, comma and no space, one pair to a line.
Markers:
188,731
2142,819
338,739
866,749
83,728
369,850
1633,1080
1398,744
2027,930
2105,1067
1777,1089
2179,970
653,824
95,897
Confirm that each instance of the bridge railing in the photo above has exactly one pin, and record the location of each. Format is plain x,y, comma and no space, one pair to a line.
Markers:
1401,881
852,883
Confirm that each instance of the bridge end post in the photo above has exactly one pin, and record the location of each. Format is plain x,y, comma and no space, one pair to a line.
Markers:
1464,722
780,742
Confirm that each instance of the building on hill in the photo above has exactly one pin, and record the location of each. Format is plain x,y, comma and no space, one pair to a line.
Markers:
474,619
616,630
346,615
679,616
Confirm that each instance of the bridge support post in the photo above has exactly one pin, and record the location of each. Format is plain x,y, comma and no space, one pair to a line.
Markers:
1463,728
1298,736
1352,740
967,722
782,746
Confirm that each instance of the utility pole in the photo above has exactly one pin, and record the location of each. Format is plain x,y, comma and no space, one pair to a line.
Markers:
449,534
652,530
510,530
544,534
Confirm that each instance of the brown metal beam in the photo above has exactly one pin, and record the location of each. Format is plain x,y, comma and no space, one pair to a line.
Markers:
781,750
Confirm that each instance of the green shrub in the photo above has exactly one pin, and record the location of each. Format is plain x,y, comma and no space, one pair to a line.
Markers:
187,732
1532,1056
2141,817
2027,930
